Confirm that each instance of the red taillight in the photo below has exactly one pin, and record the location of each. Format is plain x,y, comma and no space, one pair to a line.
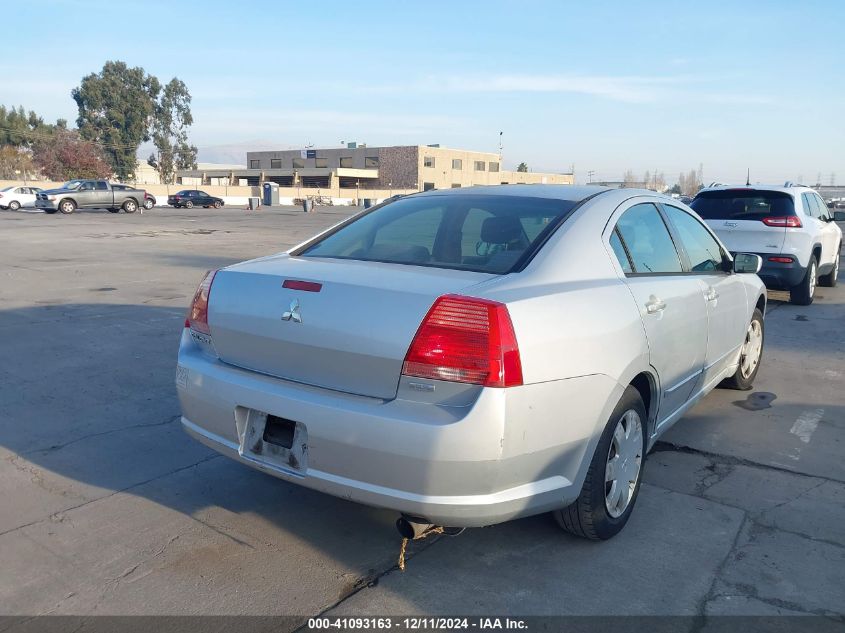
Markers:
781,260
198,315
307,286
463,339
791,221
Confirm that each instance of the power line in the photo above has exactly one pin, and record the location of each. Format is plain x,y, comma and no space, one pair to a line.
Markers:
48,136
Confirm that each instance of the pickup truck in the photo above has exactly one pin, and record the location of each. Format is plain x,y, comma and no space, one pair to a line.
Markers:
90,194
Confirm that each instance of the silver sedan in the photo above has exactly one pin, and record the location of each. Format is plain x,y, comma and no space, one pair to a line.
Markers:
466,357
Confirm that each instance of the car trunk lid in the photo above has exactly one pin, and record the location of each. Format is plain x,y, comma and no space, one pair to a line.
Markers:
350,335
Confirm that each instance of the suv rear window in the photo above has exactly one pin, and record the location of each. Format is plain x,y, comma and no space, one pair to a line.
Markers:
490,234
742,204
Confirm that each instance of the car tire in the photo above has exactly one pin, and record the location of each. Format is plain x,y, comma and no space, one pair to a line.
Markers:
67,206
189,205
148,204
217,204
750,355
829,280
14,205
130,206
802,294
597,514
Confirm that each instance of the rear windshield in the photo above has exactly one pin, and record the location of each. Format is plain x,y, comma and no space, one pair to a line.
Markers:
736,204
490,234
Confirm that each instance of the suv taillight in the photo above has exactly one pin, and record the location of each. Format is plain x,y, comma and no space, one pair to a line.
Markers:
198,314
464,339
791,221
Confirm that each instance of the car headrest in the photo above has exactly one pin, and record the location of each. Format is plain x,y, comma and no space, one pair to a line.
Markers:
501,230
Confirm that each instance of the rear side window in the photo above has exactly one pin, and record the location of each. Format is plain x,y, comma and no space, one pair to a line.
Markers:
648,241
482,233
742,204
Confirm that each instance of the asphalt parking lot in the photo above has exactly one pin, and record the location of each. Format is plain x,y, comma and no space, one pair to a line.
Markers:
109,508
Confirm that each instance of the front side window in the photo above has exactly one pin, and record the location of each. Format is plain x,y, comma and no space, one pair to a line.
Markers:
471,232
648,241
822,207
428,161
87,186
704,252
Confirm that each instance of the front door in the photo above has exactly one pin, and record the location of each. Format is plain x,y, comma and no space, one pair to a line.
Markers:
723,291
671,304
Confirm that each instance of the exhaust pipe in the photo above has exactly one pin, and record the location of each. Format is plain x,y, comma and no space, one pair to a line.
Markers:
413,528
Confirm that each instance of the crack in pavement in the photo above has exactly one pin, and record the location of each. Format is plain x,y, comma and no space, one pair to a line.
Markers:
662,446
114,492
58,447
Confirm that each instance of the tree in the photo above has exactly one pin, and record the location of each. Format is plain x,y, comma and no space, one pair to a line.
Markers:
522,168
170,132
676,189
20,128
64,155
15,163
116,109
629,180
689,183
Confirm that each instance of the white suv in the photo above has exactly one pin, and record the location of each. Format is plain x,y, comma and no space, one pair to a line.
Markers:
790,227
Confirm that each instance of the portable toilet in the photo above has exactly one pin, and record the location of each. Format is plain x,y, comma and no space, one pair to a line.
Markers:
271,194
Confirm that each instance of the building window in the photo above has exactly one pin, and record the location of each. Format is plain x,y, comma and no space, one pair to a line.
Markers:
321,163
255,164
457,163
479,165
298,163
456,185
428,186
428,161
346,161
494,167
371,162
275,163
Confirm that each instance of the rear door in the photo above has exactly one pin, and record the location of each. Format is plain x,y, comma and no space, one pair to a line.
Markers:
671,302
747,220
723,291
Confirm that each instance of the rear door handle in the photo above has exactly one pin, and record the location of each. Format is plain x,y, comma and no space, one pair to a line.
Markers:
655,305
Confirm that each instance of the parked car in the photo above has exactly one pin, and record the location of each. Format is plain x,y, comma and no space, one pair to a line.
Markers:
16,197
469,356
90,194
190,198
790,227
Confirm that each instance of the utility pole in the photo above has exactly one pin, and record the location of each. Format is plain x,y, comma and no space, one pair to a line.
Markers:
500,147
590,174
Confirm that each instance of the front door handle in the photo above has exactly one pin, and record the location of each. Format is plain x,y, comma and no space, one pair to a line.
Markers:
655,305
711,294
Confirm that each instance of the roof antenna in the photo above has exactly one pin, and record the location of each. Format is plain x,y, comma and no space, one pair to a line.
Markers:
748,178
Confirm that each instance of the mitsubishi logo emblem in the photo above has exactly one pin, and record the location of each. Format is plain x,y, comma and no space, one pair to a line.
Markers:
293,314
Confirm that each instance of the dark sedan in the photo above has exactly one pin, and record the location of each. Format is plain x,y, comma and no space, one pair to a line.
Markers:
190,198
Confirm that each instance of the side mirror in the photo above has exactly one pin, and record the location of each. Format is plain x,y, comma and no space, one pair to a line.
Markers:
839,216
747,263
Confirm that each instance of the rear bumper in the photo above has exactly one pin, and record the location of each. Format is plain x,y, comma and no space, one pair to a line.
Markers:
512,453
781,276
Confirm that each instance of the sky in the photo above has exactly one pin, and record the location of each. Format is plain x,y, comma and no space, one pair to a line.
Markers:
604,86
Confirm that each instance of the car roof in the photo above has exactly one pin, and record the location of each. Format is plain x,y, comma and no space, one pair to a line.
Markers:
787,188
570,193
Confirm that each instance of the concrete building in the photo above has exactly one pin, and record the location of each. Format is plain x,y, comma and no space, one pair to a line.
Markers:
402,169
